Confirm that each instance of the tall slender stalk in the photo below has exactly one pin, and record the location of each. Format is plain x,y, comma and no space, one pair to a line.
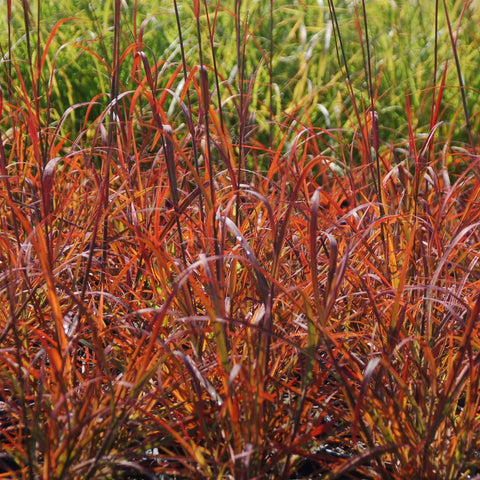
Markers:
453,42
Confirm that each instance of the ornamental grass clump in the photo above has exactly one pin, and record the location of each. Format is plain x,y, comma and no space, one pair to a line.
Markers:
239,241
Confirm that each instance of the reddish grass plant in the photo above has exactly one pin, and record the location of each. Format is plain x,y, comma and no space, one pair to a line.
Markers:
187,296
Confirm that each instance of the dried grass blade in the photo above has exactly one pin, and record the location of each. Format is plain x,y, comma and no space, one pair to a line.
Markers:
47,184
205,94
313,226
199,377
262,283
367,375
170,161
215,314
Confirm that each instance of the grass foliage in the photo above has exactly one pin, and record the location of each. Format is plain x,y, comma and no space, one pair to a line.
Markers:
239,240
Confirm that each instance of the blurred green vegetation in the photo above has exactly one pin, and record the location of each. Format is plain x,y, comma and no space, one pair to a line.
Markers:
306,77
